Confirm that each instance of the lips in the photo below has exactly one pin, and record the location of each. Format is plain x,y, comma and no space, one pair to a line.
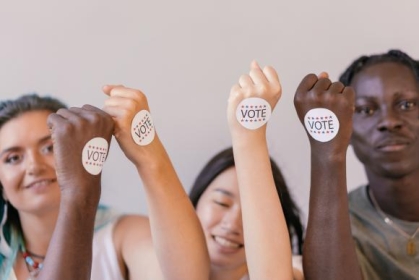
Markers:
392,144
227,243
40,183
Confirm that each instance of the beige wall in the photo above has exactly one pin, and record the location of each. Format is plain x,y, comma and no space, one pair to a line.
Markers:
185,55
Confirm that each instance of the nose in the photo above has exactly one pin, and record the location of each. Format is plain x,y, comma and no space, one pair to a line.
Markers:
35,163
390,121
232,222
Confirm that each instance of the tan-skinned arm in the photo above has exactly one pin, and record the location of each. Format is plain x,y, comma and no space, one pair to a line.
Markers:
265,231
176,232
329,250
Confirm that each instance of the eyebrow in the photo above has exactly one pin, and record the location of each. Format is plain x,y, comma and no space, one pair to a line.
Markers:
42,140
224,192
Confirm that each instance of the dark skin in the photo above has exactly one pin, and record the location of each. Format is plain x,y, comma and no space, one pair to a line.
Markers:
385,136
328,234
71,243
385,139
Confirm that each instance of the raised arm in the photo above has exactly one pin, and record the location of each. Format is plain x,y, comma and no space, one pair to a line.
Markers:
78,161
176,232
325,109
267,244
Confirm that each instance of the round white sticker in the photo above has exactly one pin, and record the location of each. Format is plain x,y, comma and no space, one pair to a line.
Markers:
253,112
142,128
94,155
322,124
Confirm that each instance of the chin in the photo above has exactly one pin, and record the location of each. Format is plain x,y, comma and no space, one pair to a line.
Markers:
397,170
225,261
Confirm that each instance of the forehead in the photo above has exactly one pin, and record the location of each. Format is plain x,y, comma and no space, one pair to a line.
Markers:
225,183
384,78
27,127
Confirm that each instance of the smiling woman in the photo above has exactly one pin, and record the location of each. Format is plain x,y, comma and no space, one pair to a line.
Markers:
215,195
238,195
22,149
31,196
50,195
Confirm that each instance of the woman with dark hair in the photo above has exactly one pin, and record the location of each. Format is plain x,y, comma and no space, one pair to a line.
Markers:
223,161
51,224
219,203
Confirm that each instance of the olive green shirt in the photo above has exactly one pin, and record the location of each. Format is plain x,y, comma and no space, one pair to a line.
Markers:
381,249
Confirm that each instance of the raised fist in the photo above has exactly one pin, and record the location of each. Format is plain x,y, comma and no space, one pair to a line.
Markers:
78,158
325,109
134,127
253,99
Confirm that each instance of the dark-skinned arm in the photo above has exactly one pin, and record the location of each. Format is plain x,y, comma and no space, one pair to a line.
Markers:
329,249
69,254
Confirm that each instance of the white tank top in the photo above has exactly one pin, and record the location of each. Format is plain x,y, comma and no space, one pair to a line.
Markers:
105,262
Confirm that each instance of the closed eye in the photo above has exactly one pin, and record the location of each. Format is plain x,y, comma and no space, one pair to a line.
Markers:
222,204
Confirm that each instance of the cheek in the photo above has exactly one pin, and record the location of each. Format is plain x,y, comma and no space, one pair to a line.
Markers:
50,161
414,125
208,216
10,179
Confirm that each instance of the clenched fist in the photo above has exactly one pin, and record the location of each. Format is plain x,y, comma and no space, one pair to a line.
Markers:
330,132
71,130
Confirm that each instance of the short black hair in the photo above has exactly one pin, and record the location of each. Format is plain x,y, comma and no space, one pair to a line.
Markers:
364,61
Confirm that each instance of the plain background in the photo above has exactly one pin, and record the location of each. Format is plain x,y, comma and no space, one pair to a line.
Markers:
185,55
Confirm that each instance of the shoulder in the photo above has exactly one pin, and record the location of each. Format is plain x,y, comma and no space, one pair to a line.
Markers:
358,198
360,208
132,230
134,247
356,193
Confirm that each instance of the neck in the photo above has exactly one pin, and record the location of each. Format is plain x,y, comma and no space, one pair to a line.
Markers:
37,230
397,197
222,273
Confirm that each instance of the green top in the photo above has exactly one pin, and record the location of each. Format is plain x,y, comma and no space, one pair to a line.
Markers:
381,249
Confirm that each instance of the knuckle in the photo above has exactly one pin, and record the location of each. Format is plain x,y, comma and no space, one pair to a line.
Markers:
264,88
140,96
276,89
131,105
66,129
95,118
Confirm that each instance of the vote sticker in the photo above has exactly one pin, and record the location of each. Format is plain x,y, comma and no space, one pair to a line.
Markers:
322,124
253,112
142,128
94,155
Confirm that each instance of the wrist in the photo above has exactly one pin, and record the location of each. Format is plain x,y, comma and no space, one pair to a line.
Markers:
249,138
81,196
142,156
332,157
